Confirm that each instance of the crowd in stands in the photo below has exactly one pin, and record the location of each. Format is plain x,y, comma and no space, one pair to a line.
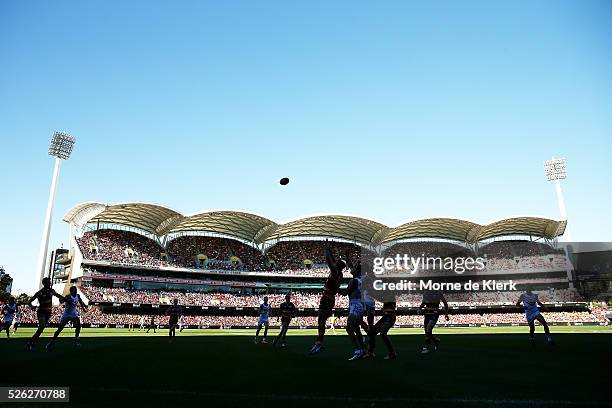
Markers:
305,257
95,315
305,299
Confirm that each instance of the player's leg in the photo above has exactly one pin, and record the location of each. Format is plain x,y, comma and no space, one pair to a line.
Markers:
354,332
259,324
544,324
372,337
6,327
265,336
531,323
43,319
387,325
60,327
77,330
322,317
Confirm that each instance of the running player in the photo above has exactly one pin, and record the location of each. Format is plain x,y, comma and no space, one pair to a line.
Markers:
8,315
530,302
152,324
142,323
181,323
328,299
16,320
71,314
45,307
264,315
174,311
287,311
356,311
430,307
386,322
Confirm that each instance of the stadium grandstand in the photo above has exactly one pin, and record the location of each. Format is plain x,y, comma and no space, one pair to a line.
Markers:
132,259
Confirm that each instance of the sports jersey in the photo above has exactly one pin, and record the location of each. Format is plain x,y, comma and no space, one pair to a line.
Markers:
389,309
265,313
431,300
287,310
174,311
71,305
9,312
332,284
45,299
530,303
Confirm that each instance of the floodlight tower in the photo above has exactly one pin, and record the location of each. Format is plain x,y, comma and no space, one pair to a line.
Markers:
60,147
555,170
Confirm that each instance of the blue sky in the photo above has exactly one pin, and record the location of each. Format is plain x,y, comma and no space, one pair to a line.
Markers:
397,110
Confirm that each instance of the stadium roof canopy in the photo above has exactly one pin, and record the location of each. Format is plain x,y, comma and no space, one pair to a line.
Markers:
160,221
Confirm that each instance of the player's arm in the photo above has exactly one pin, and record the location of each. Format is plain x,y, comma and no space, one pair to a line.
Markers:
60,297
33,298
329,258
83,305
520,300
445,303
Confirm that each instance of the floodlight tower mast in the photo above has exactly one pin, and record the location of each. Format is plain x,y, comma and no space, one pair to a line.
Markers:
61,148
555,170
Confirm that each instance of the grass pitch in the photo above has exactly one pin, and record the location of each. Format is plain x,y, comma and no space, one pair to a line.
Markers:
473,367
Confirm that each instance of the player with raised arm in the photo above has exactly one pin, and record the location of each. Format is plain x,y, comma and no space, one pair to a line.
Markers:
530,302
44,310
430,307
287,312
264,316
382,327
356,310
71,314
9,310
175,312
328,299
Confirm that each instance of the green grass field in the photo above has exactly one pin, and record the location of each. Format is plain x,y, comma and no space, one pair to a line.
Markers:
473,367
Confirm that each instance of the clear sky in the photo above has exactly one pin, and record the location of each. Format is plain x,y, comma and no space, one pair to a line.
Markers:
389,110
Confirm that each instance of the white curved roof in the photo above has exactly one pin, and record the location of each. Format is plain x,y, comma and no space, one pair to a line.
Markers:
160,220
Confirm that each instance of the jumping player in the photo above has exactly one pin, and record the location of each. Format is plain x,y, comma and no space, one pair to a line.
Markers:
386,322
264,315
174,311
287,312
328,299
356,311
71,314
530,302
45,307
430,307
8,315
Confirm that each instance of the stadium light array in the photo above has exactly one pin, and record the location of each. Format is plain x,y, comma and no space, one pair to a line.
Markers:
60,147
555,170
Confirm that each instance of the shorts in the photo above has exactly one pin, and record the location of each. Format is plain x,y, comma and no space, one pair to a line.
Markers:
6,324
326,305
532,316
430,320
173,321
43,316
285,321
74,319
370,308
262,320
356,308
384,324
